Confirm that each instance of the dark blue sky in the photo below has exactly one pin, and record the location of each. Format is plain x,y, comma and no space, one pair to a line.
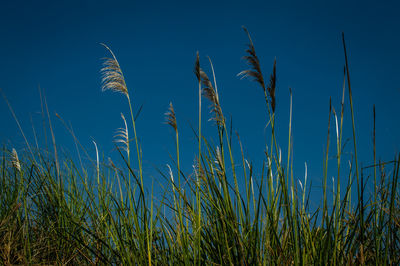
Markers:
55,45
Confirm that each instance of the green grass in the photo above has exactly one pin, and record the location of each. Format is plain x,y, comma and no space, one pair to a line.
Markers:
56,212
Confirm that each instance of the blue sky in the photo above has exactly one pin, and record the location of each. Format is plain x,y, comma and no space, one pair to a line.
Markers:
55,45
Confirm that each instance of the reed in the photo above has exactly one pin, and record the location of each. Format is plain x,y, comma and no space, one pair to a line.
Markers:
221,213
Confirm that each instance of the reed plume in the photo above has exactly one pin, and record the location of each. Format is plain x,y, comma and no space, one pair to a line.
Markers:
122,136
112,76
271,86
210,93
196,69
253,61
218,158
15,160
256,73
170,117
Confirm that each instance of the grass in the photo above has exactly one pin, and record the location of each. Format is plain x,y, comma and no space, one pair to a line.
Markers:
55,212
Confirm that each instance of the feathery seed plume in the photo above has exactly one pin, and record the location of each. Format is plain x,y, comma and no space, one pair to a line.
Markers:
197,67
255,72
171,175
122,136
210,93
253,61
170,117
112,76
272,86
15,161
218,157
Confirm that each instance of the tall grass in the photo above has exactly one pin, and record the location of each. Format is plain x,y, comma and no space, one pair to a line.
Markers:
221,213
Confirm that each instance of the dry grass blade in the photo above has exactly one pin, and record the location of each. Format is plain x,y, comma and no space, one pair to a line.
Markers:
170,117
122,136
112,76
97,162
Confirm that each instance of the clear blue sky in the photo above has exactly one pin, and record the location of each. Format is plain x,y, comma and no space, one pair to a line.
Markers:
55,44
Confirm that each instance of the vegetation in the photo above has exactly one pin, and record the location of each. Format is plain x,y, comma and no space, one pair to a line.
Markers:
53,212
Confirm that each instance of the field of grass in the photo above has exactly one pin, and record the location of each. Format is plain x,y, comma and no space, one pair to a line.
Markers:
56,212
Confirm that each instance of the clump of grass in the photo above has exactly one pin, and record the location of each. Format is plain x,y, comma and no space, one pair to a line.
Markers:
215,215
